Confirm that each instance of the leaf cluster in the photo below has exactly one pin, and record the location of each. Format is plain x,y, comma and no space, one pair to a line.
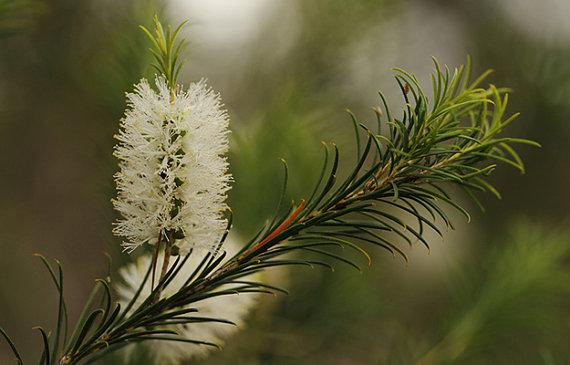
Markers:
166,51
403,168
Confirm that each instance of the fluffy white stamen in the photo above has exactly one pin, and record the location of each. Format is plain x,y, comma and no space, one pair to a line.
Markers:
233,308
173,177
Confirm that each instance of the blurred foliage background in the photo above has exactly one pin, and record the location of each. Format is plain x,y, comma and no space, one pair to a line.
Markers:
495,290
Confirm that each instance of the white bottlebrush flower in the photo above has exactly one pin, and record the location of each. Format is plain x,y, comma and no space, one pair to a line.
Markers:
173,177
233,308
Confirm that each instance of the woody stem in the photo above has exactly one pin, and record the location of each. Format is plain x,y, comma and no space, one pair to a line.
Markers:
165,263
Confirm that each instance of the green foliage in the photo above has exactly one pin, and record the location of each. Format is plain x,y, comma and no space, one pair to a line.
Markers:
406,165
18,15
166,51
286,130
514,305
122,57
297,102
15,351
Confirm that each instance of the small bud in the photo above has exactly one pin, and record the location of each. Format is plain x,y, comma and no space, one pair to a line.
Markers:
377,110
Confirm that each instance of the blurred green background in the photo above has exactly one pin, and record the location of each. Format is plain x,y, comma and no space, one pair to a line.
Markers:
494,290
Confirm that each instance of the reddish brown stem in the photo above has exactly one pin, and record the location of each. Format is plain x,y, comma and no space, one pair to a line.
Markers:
155,259
280,228
166,260
165,263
